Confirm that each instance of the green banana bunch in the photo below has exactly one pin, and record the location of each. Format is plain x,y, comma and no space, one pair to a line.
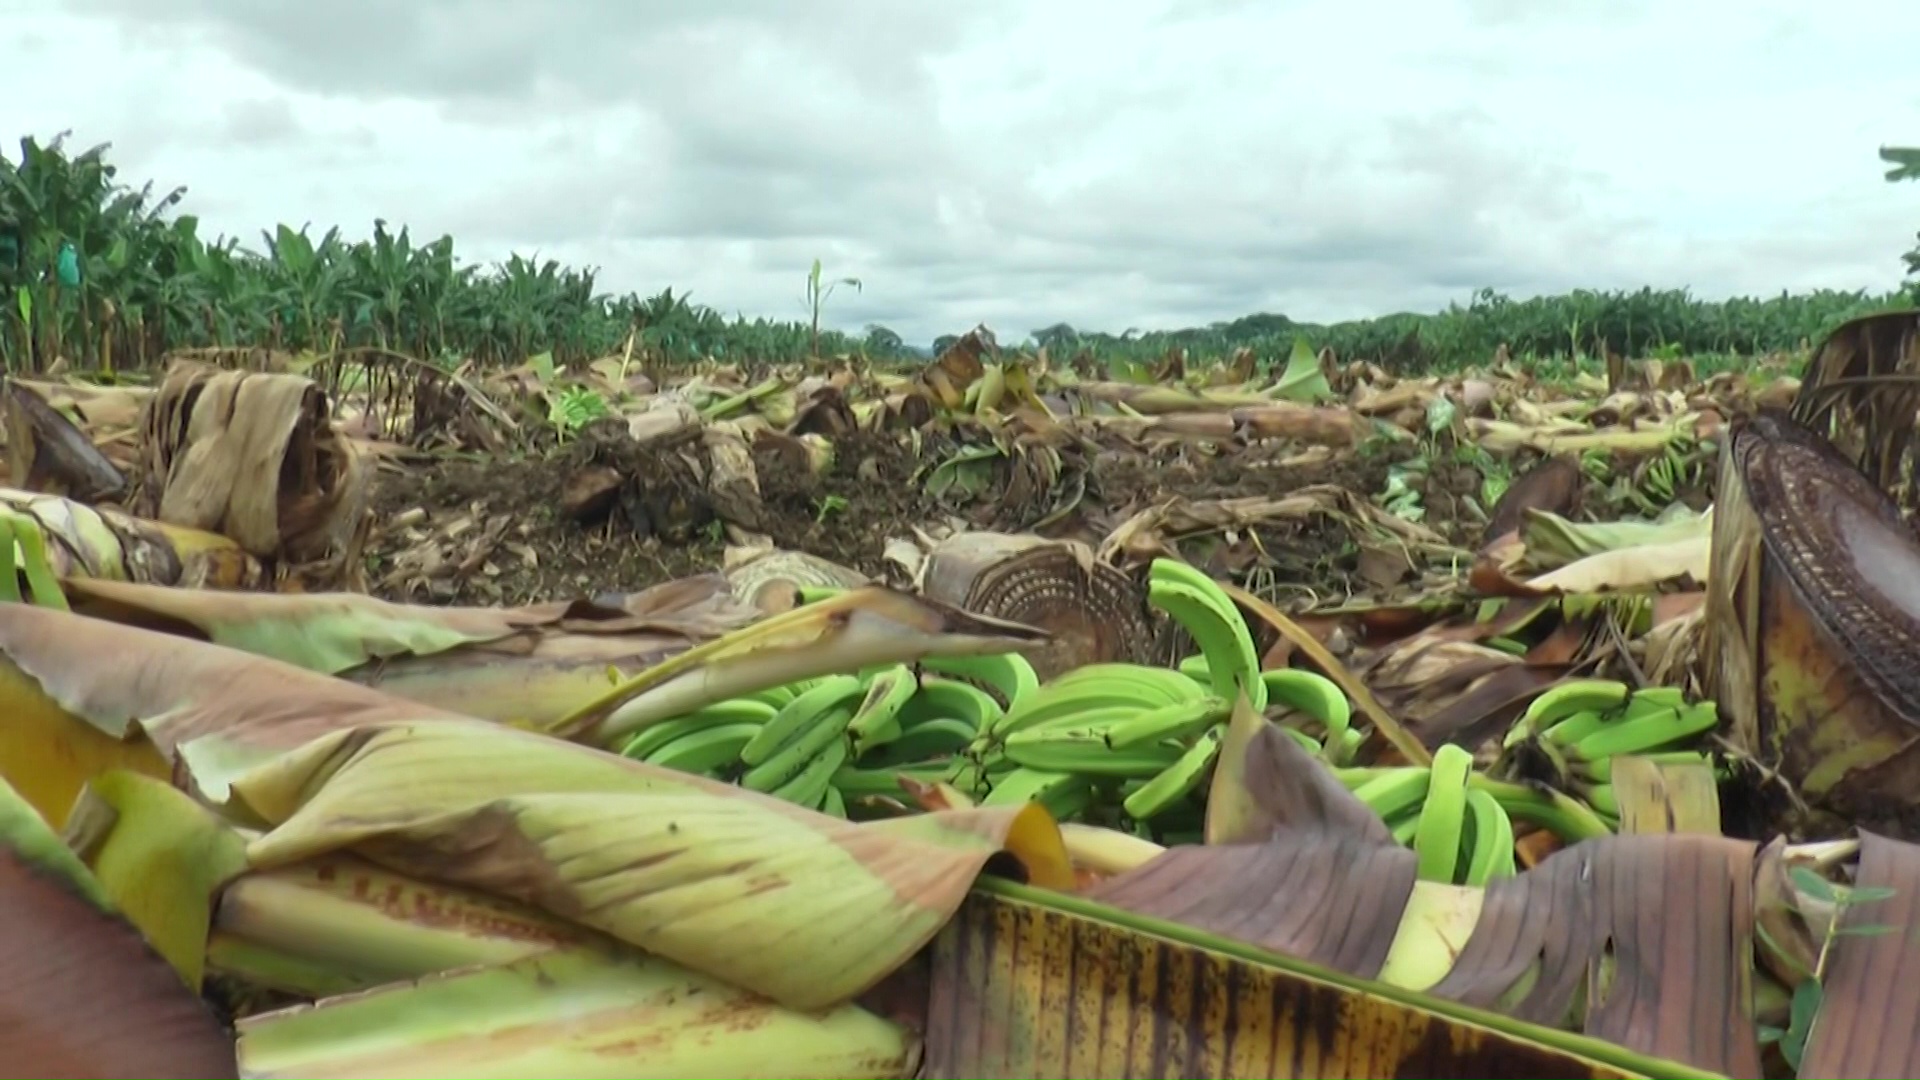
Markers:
1578,727
1460,822
829,743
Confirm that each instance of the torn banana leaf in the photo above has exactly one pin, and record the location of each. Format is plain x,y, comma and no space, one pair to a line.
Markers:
526,665
806,908
80,696
1568,943
1028,983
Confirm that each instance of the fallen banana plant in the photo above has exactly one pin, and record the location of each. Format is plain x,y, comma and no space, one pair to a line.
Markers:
526,665
84,541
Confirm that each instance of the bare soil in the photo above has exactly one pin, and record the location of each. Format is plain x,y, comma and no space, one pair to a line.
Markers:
499,523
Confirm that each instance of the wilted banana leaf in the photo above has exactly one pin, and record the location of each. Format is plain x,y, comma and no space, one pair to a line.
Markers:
806,908
81,696
1030,984
1553,541
1593,935
85,994
527,664
338,924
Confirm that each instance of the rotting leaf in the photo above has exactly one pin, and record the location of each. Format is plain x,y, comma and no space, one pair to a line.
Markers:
1680,974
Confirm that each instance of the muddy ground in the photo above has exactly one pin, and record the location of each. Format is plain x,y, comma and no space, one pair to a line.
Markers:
492,531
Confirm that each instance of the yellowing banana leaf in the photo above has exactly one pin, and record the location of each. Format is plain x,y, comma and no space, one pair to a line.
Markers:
85,995
567,1015
803,907
527,664
161,857
1029,983
80,696
1568,942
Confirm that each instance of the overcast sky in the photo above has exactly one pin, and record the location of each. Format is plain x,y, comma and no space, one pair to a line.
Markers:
1109,163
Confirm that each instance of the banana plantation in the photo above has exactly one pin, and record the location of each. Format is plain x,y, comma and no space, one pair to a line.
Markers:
109,276
414,670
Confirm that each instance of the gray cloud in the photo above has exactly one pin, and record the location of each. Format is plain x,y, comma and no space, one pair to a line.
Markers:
1114,163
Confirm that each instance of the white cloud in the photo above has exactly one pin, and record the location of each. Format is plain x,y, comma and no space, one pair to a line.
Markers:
1108,163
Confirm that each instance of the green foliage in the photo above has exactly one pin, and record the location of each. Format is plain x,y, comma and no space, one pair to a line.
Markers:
1572,327
148,283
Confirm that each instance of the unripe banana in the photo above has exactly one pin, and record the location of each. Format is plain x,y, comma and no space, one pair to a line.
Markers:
1557,812
828,729
1233,667
1097,686
1395,791
1178,779
833,802
801,715
1648,734
1490,852
856,783
1181,721
733,711
1313,694
942,698
1080,751
1443,814
926,741
1565,699
1009,674
1063,794
705,749
810,784
876,721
